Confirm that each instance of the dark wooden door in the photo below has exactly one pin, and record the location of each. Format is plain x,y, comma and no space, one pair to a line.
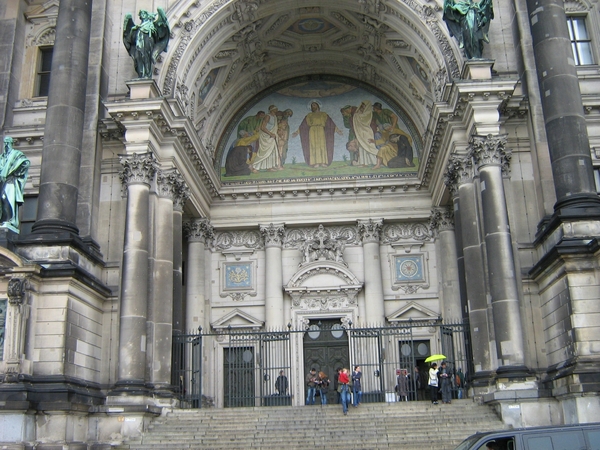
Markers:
325,349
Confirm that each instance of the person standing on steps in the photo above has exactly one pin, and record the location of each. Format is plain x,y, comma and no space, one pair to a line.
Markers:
311,386
446,383
356,386
433,383
281,384
323,386
343,383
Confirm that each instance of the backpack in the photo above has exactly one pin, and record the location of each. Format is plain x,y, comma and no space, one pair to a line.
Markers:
457,380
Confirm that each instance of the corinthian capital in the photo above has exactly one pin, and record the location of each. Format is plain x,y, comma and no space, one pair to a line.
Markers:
441,219
170,184
137,168
369,230
273,234
199,230
491,150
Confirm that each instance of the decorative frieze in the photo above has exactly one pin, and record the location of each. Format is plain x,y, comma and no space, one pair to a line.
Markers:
226,240
398,232
322,248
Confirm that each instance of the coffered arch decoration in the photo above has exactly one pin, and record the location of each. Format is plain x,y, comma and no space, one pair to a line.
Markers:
233,50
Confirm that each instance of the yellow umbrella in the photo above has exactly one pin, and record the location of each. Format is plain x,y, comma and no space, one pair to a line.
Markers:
435,358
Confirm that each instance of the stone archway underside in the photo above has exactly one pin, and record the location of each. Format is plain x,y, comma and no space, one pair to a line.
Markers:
224,53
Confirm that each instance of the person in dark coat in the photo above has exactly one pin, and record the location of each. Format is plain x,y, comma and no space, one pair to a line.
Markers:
236,163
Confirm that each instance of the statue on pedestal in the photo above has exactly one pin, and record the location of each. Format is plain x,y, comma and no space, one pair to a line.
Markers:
144,42
14,166
469,22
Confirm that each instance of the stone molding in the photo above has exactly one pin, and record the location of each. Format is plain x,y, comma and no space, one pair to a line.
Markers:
137,168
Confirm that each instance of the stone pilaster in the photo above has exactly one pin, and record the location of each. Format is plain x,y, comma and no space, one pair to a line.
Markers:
442,223
181,194
63,132
273,235
369,231
460,174
490,155
137,174
15,331
199,234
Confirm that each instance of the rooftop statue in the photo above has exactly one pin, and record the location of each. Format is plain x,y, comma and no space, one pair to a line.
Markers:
14,166
469,22
144,42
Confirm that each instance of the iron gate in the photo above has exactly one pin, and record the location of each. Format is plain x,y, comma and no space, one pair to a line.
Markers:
253,362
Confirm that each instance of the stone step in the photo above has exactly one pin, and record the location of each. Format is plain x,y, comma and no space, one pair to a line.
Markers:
413,425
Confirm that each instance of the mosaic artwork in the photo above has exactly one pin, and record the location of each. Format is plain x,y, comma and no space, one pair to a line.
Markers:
409,269
319,129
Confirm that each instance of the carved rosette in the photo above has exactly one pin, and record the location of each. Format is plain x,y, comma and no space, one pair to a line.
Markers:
199,230
137,168
491,150
273,235
16,290
369,230
442,219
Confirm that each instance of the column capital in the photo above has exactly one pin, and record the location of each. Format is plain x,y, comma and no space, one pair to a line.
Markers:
199,230
17,288
490,150
369,230
137,168
442,219
273,234
170,184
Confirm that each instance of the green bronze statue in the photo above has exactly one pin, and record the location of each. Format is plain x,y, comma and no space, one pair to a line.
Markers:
14,166
469,22
144,42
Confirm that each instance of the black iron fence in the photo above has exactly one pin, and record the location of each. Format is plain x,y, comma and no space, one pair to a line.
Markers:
233,368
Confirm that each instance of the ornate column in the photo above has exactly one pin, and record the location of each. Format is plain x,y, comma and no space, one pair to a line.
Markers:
200,234
273,235
15,330
63,132
490,155
137,174
181,194
442,223
460,175
369,232
564,118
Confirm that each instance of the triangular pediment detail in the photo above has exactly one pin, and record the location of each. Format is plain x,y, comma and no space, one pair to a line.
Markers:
237,319
413,311
47,9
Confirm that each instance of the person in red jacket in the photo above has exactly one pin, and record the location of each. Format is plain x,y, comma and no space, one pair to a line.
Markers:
343,382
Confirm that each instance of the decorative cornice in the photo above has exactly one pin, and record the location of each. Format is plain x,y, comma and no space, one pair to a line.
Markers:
137,168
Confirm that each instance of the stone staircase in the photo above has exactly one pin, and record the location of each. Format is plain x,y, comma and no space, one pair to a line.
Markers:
406,426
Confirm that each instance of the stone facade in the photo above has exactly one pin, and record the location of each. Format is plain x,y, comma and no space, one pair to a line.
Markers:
131,232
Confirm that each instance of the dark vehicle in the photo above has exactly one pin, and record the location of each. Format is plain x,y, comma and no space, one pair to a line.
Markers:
561,437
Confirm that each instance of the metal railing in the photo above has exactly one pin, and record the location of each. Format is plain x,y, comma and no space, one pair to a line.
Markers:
246,371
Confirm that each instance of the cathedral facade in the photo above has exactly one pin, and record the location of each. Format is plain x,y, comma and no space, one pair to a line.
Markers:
282,171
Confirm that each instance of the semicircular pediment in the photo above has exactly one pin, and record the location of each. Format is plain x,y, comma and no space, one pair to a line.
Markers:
323,275
316,128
